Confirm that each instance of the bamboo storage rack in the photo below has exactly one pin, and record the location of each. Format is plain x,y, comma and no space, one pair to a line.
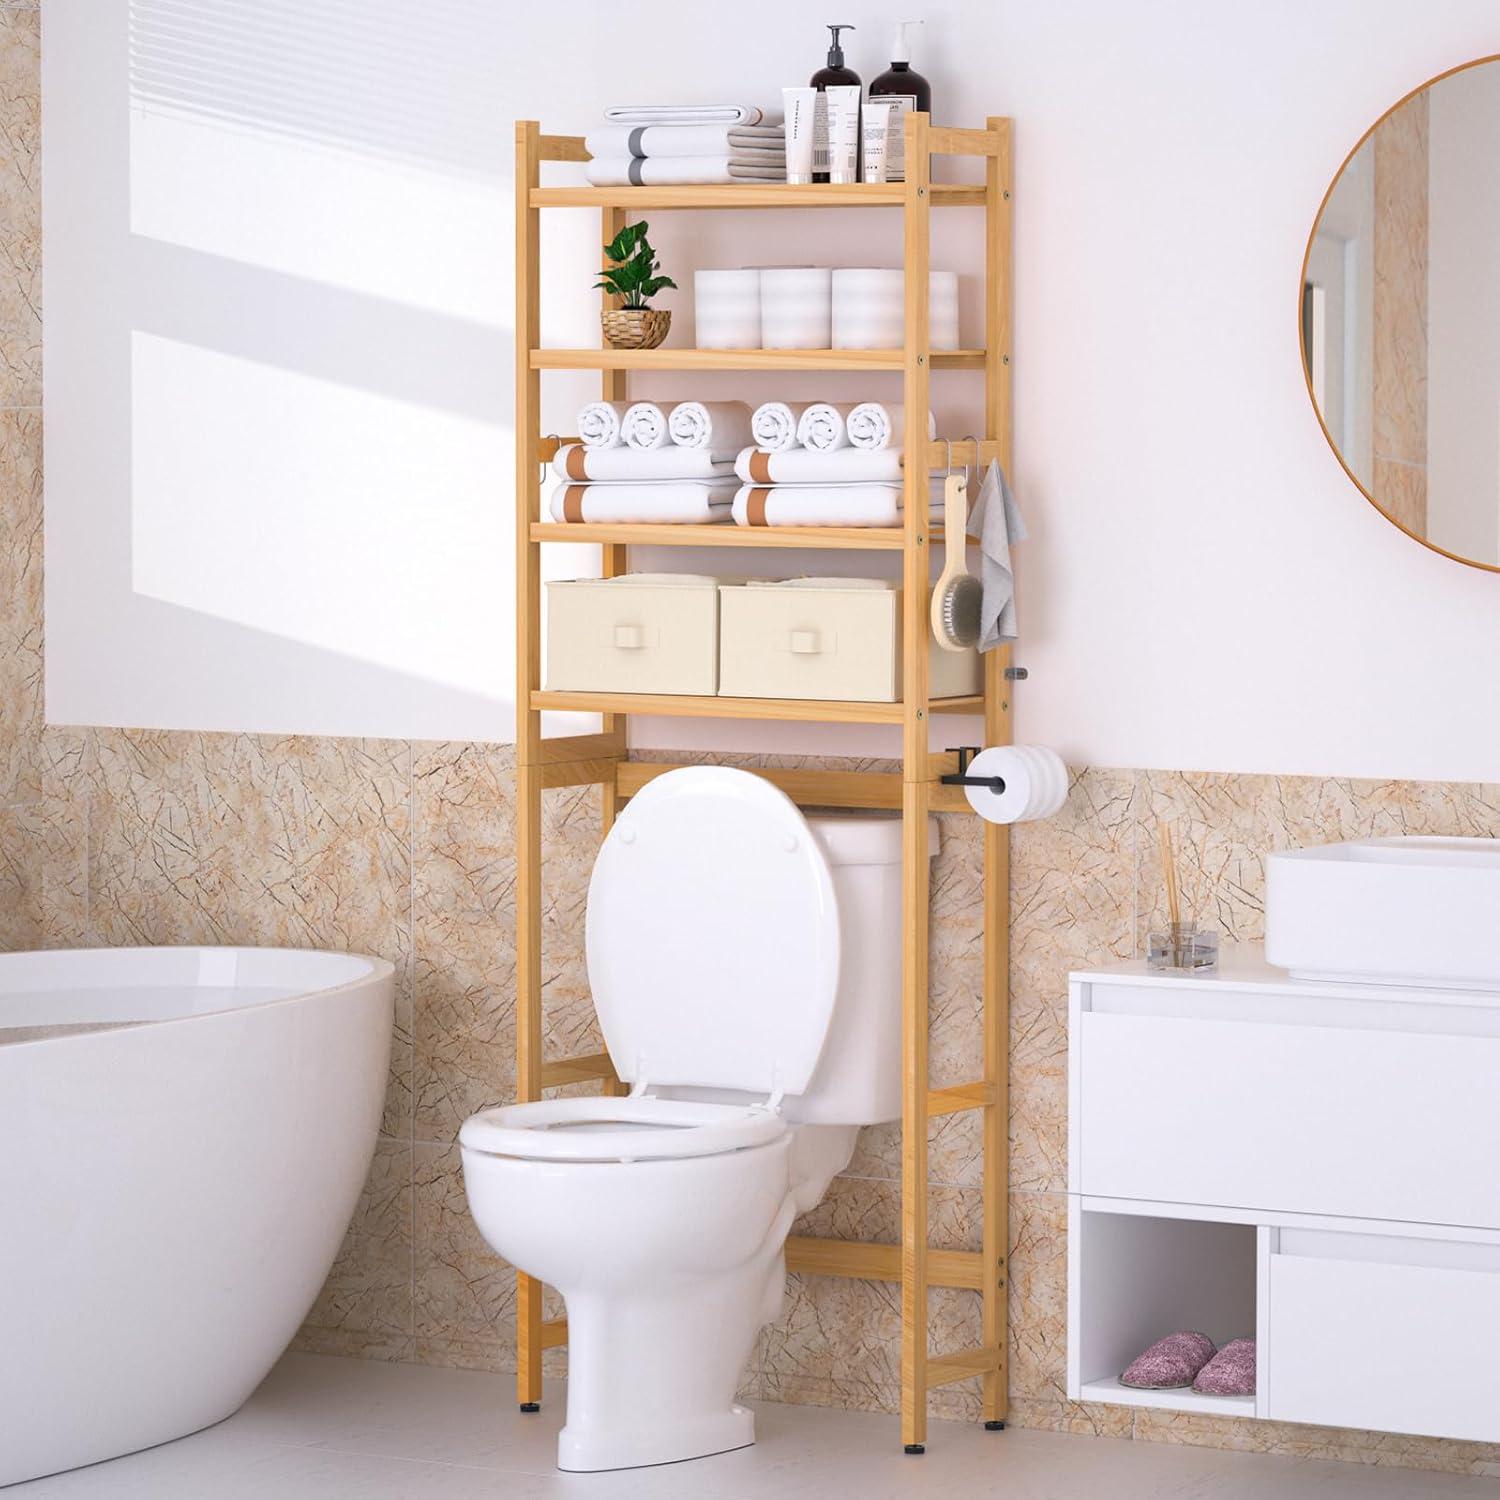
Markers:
585,759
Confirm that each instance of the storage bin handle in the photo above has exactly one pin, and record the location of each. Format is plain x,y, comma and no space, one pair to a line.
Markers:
629,637
806,643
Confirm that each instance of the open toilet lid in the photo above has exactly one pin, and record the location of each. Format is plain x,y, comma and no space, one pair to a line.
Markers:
713,935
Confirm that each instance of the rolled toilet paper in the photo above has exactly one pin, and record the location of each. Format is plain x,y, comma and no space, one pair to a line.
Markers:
796,307
869,308
1036,783
726,309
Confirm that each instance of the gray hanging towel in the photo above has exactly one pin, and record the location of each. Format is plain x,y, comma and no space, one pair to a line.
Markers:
996,522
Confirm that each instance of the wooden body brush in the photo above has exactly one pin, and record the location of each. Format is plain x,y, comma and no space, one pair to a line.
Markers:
957,595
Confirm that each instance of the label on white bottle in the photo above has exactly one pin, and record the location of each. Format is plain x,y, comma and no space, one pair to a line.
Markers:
895,151
822,155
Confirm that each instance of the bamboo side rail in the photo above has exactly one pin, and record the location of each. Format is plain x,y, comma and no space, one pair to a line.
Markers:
600,758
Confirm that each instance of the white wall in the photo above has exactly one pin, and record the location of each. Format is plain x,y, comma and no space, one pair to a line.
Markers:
1204,589
1463,316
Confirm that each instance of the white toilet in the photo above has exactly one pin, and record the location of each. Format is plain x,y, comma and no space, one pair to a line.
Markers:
745,962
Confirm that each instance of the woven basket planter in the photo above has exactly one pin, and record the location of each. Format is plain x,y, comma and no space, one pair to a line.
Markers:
635,327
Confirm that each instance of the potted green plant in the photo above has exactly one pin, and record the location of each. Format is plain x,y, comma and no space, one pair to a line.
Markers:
634,277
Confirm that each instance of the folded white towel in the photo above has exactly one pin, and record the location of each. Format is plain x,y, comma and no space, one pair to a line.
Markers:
631,466
683,140
644,425
822,505
825,426
720,428
879,424
688,114
664,171
774,425
808,466
684,502
599,423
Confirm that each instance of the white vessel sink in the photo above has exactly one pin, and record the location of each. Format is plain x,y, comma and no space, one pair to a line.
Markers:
1412,911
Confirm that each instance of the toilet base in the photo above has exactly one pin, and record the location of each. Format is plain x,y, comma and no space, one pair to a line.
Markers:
669,1443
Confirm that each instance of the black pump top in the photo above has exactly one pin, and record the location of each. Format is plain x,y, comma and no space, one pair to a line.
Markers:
836,51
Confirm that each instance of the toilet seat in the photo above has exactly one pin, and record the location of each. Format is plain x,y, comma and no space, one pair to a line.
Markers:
602,1129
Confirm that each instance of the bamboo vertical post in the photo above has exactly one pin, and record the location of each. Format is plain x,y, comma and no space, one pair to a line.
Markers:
916,791
528,723
995,1231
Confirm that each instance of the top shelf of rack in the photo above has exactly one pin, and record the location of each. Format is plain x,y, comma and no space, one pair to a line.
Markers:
756,195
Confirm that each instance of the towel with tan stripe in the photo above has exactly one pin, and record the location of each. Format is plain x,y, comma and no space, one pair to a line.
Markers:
822,505
809,466
584,465
680,501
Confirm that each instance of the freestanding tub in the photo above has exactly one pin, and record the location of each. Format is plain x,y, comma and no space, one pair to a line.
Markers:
184,1133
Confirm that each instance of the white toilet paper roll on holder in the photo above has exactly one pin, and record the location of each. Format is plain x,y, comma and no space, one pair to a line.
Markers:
961,777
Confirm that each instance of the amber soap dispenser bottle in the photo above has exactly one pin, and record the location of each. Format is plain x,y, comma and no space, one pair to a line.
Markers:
831,74
900,80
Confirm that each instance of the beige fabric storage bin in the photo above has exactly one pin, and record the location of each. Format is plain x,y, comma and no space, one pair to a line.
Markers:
639,633
834,638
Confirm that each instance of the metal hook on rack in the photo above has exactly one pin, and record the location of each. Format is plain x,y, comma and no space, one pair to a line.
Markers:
968,479
551,437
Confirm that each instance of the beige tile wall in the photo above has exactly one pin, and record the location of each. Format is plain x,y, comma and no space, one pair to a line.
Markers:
405,850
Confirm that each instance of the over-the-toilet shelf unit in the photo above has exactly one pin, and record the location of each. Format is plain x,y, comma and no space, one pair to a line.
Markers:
578,760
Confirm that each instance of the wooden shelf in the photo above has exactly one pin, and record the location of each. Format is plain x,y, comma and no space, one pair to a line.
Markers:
746,359
685,706
756,195
850,538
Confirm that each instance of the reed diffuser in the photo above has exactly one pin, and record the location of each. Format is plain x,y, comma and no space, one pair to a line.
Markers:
1183,948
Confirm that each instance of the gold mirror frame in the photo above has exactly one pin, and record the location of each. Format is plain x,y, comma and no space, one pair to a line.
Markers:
1312,235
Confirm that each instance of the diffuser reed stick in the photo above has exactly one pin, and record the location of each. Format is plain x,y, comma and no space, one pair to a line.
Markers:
1169,875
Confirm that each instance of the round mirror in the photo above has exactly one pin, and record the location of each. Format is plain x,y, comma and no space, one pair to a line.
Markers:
1401,314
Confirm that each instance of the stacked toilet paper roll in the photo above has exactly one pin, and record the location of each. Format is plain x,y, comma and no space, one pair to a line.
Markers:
869,309
796,307
726,309
1036,783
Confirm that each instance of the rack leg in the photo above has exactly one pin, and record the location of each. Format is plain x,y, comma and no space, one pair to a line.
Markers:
915,897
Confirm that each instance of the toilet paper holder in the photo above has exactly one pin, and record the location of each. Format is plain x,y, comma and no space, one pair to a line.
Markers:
961,777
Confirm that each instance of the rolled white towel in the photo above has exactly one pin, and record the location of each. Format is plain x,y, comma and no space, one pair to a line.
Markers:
644,425
599,423
876,424
824,426
774,425
808,466
628,466
720,428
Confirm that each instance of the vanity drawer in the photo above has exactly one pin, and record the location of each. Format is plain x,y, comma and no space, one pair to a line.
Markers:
1383,1332
1363,1119
639,633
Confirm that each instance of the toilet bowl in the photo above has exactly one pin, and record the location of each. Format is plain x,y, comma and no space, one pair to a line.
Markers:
745,967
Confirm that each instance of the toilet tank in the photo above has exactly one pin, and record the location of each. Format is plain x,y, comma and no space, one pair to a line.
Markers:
858,1077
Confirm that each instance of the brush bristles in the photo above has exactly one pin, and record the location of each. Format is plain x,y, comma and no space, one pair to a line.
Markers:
961,607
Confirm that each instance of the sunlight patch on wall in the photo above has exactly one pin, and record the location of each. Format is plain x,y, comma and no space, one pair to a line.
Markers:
289,504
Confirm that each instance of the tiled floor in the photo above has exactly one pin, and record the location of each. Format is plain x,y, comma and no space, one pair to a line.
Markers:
327,1429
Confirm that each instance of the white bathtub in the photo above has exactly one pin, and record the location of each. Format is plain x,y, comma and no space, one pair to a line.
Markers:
183,1136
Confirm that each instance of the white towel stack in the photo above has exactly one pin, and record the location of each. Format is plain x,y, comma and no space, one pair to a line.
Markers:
824,464
648,147
645,463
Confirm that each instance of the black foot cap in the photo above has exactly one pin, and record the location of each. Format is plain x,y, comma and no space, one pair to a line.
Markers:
994,1426
531,1406
915,1448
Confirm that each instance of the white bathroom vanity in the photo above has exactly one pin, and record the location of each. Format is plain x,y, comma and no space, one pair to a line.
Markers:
1312,1163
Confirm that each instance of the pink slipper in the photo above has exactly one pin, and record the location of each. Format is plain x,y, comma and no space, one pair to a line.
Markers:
1170,1363
1231,1372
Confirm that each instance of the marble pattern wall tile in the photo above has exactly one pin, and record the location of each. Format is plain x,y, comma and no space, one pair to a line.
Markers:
20,603
20,207
1399,333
